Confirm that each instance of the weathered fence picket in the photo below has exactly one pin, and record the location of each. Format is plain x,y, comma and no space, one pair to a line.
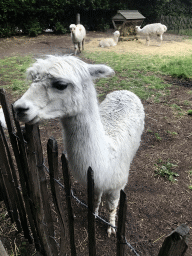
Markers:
9,184
67,183
121,224
29,206
176,243
19,200
41,199
91,217
52,153
23,169
4,191
14,144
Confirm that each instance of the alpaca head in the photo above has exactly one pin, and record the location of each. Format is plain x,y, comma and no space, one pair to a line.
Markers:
137,28
116,33
72,28
61,87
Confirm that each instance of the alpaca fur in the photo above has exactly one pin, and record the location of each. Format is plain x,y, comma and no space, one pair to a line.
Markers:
2,118
151,29
78,34
104,137
107,42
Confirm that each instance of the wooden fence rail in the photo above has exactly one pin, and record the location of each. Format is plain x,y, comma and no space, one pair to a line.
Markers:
28,202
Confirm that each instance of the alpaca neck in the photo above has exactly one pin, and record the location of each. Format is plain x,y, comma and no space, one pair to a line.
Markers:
140,31
85,141
116,39
74,38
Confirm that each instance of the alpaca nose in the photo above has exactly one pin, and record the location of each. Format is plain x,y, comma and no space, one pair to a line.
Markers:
20,110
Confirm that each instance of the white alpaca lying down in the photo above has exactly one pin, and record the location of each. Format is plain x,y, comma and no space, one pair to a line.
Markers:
105,137
107,42
152,29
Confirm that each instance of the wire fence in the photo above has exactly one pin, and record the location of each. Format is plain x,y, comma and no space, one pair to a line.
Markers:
96,216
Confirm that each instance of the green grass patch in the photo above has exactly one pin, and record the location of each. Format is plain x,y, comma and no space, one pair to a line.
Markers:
165,170
13,73
141,74
179,67
157,136
172,133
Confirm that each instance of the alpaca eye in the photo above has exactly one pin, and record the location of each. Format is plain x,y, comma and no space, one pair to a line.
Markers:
59,85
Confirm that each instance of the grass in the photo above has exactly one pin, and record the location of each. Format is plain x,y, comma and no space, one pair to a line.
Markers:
172,133
157,136
141,74
13,73
165,170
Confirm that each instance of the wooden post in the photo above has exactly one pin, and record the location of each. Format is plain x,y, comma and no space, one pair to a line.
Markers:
19,200
52,152
69,206
41,197
121,224
78,18
23,169
14,143
176,243
9,183
91,217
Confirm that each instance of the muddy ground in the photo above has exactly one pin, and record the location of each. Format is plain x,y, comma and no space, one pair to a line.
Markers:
156,206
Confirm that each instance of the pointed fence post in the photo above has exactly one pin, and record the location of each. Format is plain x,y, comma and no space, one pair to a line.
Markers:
176,243
9,183
121,224
14,143
67,183
91,217
43,214
19,200
52,153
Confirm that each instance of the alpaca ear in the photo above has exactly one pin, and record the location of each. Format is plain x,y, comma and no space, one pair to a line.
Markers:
99,71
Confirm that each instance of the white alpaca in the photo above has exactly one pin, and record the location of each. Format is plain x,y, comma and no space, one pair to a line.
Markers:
105,137
2,118
78,34
151,29
107,42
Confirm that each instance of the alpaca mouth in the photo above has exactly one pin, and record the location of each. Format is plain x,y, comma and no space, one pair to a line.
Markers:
33,121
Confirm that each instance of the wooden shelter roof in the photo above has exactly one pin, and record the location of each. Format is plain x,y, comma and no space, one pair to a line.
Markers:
128,15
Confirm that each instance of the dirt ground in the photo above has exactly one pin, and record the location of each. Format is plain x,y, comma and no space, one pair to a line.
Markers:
155,206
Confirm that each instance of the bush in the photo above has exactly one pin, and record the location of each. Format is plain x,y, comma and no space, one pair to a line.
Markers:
103,26
34,29
6,32
60,29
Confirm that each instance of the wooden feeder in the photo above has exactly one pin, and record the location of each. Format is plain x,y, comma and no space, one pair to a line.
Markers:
125,21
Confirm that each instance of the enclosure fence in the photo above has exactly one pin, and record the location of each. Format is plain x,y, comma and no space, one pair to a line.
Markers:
24,190
177,24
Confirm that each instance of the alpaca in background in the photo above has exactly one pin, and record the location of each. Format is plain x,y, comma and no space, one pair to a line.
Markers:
107,42
152,29
78,34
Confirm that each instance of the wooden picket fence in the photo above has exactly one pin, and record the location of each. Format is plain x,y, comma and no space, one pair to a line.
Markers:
23,185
